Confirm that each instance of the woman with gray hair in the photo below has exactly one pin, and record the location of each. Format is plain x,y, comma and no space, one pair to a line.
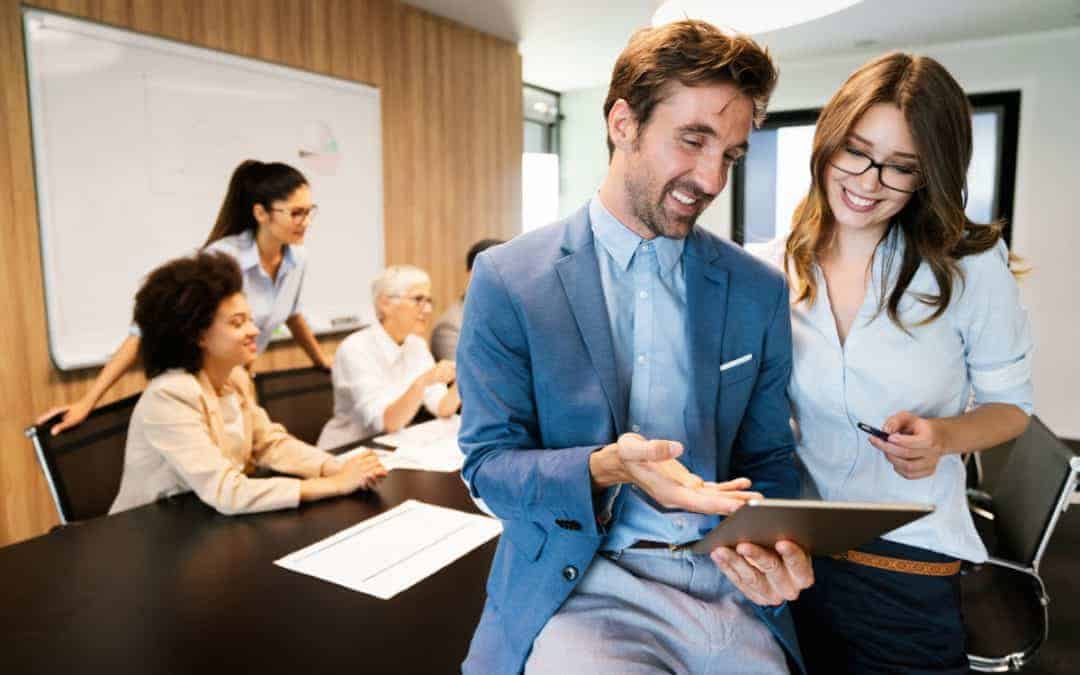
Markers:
383,373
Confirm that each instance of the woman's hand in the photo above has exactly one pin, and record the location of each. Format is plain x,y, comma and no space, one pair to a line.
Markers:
915,444
363,471
443,372
74,415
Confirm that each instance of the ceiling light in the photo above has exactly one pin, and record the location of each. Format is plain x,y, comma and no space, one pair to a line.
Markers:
759,16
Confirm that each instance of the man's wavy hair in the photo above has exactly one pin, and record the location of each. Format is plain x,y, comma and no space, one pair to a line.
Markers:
692,53
177,304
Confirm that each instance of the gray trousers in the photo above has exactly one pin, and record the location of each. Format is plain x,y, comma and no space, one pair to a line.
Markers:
655,611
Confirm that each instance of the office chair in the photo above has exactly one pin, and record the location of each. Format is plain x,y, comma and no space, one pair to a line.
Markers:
301,399
83,465
1004,599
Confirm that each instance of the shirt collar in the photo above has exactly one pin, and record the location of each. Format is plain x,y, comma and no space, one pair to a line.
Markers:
621,242
385,344
248,254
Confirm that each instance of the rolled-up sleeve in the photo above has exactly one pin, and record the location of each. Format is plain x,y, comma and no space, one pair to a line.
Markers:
996,331
358,379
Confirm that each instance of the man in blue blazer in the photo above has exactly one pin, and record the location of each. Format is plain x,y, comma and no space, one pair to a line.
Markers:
623,376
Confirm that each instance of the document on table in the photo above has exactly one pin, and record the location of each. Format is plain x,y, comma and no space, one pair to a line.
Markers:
393,551
431,446
390,459
427,432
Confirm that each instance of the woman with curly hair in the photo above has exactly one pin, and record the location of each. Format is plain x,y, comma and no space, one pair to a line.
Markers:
197,426
905,316
262,223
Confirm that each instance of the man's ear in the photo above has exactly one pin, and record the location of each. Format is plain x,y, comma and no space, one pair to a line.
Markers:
622,125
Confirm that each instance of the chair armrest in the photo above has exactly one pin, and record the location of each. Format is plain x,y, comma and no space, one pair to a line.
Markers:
1023,569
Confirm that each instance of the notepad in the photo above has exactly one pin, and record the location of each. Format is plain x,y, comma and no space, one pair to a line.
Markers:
389,553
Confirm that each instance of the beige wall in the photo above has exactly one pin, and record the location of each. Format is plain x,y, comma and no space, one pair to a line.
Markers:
452,135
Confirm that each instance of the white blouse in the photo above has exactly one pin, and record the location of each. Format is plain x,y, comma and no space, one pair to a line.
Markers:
370,372
977,352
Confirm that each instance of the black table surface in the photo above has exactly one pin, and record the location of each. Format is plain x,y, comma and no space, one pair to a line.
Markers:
174,587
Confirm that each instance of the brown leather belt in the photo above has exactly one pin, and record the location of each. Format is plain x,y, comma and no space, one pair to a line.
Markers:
881,562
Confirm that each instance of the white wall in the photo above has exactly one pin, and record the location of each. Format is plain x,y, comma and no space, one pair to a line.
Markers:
1046,231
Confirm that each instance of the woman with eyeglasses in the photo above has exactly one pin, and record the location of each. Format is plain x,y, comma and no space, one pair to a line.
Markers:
905,317
197,427
384,373
262,223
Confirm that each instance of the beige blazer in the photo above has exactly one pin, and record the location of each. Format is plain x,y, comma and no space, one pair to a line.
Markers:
177,442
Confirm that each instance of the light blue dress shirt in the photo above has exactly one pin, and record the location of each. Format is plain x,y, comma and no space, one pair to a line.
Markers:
272,301
977,352
645,292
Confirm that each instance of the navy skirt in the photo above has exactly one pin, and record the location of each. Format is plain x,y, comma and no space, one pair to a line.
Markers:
859,619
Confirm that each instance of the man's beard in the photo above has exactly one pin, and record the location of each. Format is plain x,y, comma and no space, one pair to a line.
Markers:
652,213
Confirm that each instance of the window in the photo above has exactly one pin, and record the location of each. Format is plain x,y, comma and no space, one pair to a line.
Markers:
776,173
540,159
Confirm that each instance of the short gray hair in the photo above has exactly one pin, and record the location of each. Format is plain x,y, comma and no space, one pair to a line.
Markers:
395,281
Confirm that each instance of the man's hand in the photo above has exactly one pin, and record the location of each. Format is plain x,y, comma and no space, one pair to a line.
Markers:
764,576
915,445
651,465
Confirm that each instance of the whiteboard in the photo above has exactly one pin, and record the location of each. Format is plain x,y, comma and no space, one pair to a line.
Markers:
135,138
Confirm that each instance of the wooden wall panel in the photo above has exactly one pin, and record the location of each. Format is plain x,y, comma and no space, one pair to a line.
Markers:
452,138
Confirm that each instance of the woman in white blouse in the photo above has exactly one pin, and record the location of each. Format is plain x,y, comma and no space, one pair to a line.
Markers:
384,373
905,317
197,426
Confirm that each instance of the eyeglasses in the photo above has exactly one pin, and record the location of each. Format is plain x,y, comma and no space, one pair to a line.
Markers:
299,215
418,300
897,177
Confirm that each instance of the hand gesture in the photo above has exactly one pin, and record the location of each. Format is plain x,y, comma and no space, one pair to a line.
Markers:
764,576
914,446
651,465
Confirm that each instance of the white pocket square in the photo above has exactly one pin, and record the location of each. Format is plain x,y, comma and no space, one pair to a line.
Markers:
736,362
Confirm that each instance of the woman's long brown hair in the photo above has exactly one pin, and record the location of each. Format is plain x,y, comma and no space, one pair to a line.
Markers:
934,225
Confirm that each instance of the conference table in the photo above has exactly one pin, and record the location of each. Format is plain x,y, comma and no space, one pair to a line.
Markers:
174,587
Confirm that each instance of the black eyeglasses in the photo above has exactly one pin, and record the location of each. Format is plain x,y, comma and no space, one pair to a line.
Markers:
897,177
299,215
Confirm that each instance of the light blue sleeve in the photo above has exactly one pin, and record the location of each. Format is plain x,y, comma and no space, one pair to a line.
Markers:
996,331
297,306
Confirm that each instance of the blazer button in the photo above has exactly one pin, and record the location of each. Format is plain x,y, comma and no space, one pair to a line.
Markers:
569,573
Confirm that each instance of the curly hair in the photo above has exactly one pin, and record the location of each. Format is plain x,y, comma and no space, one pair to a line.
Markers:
176,305
692,53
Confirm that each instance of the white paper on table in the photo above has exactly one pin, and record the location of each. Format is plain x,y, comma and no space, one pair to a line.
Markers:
390,460
393,551
426,432
441,455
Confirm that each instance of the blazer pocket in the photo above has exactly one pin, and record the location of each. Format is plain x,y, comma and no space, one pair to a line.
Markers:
526,536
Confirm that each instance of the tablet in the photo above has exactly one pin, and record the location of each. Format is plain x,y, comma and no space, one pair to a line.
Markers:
820,528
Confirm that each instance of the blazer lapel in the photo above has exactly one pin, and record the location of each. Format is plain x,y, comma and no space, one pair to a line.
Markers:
579,273
213,410
706,300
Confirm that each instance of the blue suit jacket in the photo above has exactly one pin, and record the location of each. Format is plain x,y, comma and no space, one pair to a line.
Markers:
536,370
